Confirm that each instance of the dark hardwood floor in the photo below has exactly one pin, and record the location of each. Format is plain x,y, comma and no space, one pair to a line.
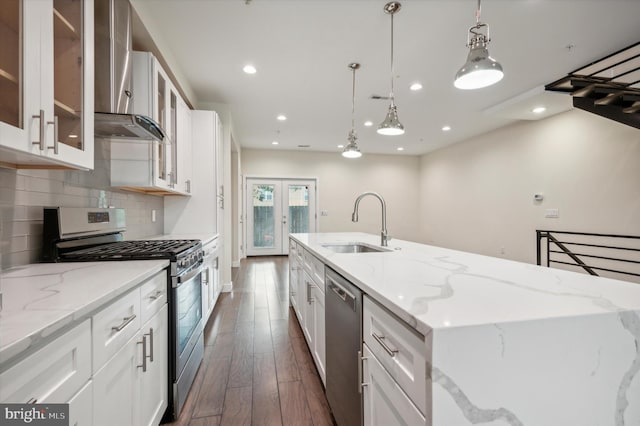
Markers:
257,369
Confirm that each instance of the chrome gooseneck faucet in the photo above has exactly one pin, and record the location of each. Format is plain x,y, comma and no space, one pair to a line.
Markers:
354,216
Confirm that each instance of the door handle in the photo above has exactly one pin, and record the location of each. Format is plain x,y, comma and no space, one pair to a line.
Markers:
144,353
55,134
41,130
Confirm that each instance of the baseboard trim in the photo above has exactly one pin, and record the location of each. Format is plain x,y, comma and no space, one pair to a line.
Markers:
227,287
235,264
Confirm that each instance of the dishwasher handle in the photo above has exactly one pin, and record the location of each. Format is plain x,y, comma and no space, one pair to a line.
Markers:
348,298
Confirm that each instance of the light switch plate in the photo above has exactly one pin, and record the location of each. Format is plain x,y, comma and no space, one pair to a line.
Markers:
552,213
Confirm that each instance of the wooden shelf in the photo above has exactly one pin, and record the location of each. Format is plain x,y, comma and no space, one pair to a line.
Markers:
63,27
65,109
8,76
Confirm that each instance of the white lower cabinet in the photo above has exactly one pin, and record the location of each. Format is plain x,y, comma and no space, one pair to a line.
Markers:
52,374
81,406
211,286
319,345
384,401
154,383
132,387
128,381
307,299
116,395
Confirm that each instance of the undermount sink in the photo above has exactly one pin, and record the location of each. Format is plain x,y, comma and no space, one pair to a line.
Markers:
353,248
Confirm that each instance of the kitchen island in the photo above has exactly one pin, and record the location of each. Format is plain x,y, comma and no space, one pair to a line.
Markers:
504,342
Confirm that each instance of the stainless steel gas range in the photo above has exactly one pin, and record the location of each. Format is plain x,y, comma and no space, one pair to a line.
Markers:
90,235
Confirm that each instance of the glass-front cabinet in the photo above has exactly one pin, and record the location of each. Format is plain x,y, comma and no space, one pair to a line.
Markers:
46,83
159,168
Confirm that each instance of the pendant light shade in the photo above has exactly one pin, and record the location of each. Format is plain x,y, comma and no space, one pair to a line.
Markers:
480,70
351,150
391,126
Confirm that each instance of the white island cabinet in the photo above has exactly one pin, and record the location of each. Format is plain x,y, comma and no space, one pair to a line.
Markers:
454,338
306,293
90,335
46,84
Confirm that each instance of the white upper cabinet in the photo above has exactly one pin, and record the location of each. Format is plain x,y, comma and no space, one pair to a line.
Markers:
46,83
155,168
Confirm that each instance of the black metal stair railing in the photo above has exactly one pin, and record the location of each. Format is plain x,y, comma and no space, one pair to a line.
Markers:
594,253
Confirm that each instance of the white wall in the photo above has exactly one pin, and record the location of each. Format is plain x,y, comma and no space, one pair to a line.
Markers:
341,180
477,196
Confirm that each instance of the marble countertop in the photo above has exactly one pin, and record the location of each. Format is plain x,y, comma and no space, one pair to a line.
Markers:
40,299
436,288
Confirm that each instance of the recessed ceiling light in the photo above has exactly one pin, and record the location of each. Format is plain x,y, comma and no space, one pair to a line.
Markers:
281,117
415,86
400,148
274,143
538,110
368,123
446,128
249,69
340,146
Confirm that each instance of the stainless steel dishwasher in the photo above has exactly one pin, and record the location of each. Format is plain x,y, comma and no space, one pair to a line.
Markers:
343,322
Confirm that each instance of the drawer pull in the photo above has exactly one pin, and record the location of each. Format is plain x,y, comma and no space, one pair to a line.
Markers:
387,349
125,322
32,401
156,295
144,353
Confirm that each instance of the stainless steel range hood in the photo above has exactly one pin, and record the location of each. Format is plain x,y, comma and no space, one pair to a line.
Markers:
113,88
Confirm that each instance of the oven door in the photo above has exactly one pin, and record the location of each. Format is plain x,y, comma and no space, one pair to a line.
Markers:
187,316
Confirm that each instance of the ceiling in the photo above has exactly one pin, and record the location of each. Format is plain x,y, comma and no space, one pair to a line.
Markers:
301,49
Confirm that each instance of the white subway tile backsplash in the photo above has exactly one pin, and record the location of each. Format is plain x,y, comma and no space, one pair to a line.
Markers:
24,193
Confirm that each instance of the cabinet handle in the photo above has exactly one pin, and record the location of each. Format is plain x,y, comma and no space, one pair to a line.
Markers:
41,141
188,186
380,339
150,334
55,134
125,322
144,353
309,299
32,401
205,276
361,360
156,295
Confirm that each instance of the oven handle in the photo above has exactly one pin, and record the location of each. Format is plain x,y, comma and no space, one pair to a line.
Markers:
186,277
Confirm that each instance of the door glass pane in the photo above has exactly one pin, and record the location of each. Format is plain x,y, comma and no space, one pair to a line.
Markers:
298,209
10,63
68,66
162,158
263,216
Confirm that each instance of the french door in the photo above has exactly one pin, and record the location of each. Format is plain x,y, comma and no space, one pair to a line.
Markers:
275,208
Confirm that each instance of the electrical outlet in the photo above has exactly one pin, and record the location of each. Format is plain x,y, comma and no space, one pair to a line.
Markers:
324,213
552,213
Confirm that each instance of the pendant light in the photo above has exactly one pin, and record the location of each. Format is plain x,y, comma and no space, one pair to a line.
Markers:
391,126
351,150
480,70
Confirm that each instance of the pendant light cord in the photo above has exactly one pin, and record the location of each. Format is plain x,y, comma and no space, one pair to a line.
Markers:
392,95
353,101
478,11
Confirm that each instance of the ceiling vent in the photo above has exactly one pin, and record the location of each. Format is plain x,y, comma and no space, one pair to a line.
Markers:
609,87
